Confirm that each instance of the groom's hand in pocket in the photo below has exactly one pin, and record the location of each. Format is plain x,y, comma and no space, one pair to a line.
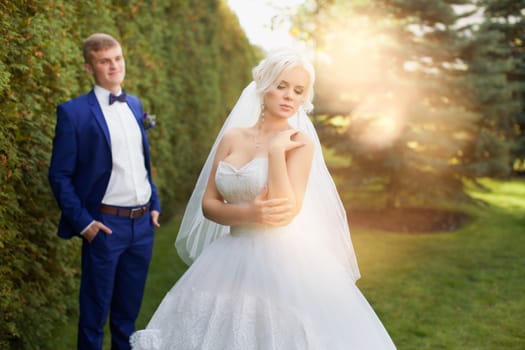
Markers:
93,229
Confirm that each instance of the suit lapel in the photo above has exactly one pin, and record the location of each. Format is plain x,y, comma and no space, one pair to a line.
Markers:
99,116
136,110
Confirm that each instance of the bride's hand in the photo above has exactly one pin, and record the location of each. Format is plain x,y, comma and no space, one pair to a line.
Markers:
285,141
272,212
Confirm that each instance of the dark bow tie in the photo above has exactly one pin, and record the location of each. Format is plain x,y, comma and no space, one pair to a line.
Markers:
120,98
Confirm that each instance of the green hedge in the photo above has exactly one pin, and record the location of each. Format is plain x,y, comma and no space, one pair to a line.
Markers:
187,60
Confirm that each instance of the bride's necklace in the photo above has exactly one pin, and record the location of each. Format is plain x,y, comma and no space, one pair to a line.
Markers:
260,140
257,139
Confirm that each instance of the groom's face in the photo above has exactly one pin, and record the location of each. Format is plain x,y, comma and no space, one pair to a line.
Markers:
108,68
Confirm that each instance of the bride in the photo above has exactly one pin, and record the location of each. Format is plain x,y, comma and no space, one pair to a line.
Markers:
272,263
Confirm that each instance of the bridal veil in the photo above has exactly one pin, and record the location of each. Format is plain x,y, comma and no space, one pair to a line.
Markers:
322,217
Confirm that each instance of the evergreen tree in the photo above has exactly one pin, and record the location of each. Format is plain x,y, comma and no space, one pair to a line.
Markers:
489,94
392,99
506,17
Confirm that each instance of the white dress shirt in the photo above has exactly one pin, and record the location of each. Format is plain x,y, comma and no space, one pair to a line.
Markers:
128,184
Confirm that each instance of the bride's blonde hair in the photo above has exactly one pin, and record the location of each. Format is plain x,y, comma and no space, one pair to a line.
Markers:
266,73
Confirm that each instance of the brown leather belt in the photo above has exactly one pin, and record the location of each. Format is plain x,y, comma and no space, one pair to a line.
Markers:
131,213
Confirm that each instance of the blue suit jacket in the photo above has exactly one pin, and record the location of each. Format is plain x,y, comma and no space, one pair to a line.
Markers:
81,161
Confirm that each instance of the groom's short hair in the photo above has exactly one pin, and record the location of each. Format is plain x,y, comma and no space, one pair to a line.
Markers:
97,42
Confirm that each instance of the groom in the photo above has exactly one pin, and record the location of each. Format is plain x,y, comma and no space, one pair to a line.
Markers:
100,174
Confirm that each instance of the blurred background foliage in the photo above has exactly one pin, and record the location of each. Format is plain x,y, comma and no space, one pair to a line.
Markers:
186,60
412,99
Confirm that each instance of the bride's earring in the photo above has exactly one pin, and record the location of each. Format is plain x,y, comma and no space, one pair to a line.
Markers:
262,114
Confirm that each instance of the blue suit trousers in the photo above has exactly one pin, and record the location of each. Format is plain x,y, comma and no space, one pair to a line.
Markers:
114,269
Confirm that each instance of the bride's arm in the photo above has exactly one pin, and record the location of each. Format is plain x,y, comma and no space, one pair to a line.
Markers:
261,210
290,159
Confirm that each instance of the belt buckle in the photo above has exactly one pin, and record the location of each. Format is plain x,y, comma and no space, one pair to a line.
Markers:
133,211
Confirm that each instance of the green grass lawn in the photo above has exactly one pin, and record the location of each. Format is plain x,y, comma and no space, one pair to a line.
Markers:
458,290
461,290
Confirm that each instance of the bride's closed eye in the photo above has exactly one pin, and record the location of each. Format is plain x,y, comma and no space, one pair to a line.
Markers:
298,91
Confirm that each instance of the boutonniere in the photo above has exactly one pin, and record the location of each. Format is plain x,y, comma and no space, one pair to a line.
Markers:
148,120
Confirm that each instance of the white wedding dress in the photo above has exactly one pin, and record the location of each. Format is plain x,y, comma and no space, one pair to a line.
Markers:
262,288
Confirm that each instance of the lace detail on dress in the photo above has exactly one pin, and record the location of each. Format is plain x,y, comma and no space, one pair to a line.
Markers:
241,185
147,339
210,321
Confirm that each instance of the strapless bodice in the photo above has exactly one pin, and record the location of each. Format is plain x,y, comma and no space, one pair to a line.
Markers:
241,185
